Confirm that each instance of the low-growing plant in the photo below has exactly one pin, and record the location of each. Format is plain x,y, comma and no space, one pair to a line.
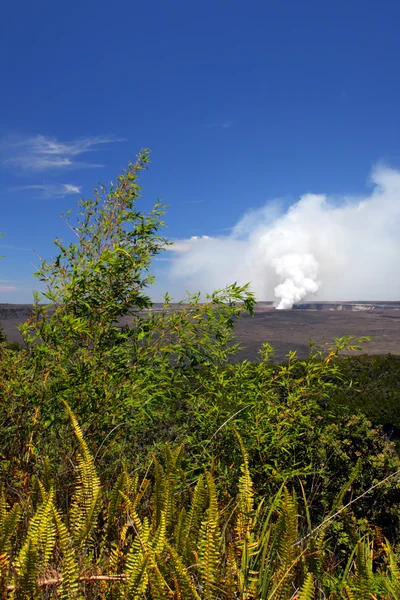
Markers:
157,537
375,391
311,521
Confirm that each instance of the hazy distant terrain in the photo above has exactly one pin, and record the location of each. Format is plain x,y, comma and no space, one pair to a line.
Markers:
291,329
287,330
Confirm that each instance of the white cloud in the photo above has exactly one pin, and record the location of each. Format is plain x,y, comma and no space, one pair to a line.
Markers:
72,189
220,125
186,245
7,288
12,247
51,190
344,248
41,153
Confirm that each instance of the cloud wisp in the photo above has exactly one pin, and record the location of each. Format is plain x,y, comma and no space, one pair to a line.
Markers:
219,125
325,248
51,191
41,153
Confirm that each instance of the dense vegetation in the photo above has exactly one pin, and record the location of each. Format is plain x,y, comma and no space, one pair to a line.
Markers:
377,389
186,476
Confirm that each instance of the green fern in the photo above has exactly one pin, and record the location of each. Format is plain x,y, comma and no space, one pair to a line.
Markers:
189,523
363,567
9,520
69,588
391,580
86,502
354,475
159,588
160,494
184,584
173,459
37,549
308,588
349,593
157,544
245,495
209,544
286,532
136,563
115,498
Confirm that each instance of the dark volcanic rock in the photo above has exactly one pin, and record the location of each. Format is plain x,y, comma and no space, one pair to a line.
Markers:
14,311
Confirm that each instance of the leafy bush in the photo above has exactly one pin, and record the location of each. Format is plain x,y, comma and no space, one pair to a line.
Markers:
375,391
158,538
164,377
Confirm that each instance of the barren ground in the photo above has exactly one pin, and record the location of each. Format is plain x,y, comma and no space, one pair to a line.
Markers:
291,330
285,330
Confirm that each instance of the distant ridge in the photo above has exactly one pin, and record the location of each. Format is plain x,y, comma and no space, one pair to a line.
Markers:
362,305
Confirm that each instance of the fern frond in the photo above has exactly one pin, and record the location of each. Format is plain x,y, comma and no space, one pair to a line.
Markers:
141,492
350,595
392,577
209,542
69,588
115,498
37,548
133,516
159,537
355,473
136,562
182,577
190,528
160,492
245,495
79,434
159,588
231,570
363,567
308,588
138,580
86,502
9,520
179,528
28,571
286,536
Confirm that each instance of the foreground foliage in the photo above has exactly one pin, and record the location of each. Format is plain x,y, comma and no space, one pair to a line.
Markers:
376,389
284,490
159,537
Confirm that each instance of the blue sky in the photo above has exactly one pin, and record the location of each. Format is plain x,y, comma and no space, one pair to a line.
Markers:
240,103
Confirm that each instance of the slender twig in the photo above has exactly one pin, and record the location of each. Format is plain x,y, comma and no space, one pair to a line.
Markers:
59,580
296,560
226,422
347,506
106,438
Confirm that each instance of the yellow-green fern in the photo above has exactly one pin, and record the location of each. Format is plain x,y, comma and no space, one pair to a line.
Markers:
37,549
308,588
9,519
86,502
209,544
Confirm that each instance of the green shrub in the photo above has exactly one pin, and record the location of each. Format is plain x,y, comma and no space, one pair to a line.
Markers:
375,390
157,537
165,378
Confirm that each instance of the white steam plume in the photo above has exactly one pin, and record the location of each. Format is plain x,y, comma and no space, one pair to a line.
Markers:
333,248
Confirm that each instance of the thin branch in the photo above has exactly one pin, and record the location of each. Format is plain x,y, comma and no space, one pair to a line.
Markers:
59,580
106,438
226,422
347,506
